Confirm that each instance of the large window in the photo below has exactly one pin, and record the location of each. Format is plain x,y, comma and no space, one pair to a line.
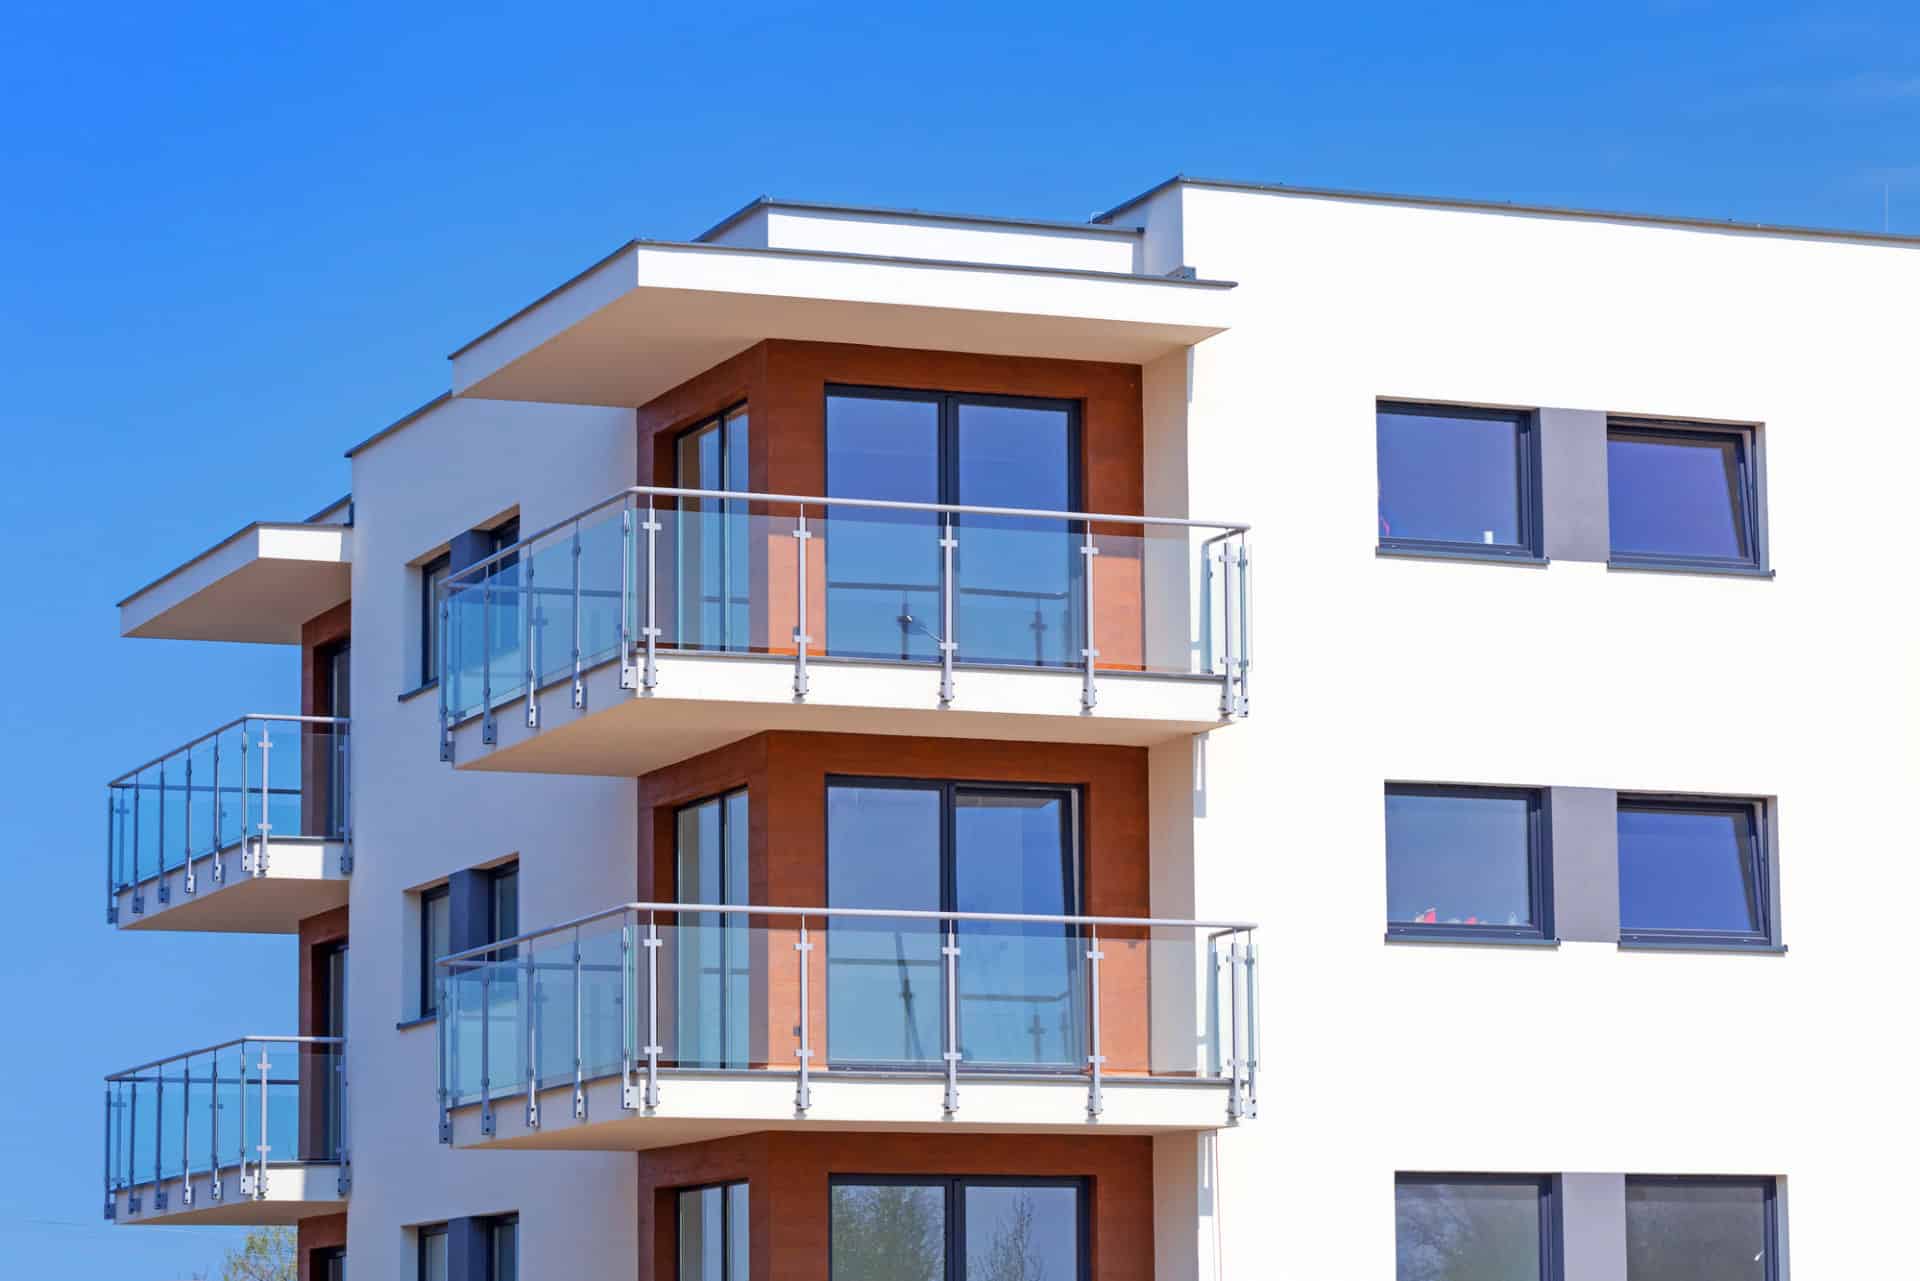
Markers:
712,951
1455,1227
436,940
958,847
958,1229
1682,497
1017,599
713,1230
1698,1229
1466,862
1693,871
1458,481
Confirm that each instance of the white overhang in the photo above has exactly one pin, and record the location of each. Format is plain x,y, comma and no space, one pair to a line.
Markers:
654,314
259,585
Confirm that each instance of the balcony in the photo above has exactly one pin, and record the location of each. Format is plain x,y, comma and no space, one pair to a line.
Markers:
665,622
244,829
247,1132
656,1024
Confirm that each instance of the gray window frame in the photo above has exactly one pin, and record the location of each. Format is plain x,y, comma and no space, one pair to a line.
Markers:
1750,494
1529,549
1539,870
1760,854
1552,1261
1770,1189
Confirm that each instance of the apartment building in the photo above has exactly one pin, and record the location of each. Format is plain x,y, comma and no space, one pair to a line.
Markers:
819,782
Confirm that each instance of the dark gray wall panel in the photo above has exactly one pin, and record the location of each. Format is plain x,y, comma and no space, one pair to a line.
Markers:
1586,863
1593,1227
1573,484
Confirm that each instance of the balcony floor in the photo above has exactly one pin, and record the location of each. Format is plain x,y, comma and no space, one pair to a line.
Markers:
302,877
696,1106
705,701
294,1192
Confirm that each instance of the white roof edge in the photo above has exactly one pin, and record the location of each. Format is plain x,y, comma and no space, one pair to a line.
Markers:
257,527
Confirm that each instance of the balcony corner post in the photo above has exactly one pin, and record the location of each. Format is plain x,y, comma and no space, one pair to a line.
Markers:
801,639
947,642
1096,1061
260,853
1236,1106
186,830
1089,694
530,1003
266,1145
486,1070
950,949
488,730
652,1047
649,669
629,1099
219,845
162,893
532,639
579,684
803,1087
579,1037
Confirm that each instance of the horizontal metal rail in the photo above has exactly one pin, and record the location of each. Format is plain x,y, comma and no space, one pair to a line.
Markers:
128,777
860,913
227,1045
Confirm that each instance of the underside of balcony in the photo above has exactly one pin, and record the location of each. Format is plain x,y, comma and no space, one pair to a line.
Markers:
218,893
288,1194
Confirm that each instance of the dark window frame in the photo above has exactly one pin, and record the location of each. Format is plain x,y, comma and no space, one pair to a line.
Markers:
1769,1187
430,633
726,1216
421,1235
1759,853
953,1186
1073,839
717,419
429,989
320,1259
493,1226
1530,547
1746,442
1551,1256
948,444
1539,869
495,875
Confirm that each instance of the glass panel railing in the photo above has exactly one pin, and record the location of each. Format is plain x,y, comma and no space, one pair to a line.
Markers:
732,989
257,778
277,1100
677,571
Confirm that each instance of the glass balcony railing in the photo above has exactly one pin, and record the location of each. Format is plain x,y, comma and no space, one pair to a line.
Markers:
243,786
232,1113
653,571
646,989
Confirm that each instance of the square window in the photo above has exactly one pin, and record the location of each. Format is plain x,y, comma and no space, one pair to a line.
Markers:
1693,870
1682,497
1458,481
1702,1229
1466,863
1487,1227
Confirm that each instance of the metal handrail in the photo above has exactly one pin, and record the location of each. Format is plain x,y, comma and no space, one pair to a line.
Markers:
1227,527
127,1073
869,913
221,729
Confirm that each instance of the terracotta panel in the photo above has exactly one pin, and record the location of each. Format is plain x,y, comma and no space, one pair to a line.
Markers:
323,1232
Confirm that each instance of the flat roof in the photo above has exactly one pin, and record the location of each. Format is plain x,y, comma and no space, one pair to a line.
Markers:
1514,207
923,215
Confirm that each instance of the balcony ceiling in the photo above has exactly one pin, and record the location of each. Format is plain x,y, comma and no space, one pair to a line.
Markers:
259,585
653,315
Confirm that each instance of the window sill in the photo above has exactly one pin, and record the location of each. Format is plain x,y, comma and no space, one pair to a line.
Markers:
419,1020
1472,940
1701,945
411,694
1461,554
1687,567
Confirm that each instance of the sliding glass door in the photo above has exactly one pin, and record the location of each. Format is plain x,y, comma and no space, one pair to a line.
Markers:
961,847
711,950
713,605
1016,599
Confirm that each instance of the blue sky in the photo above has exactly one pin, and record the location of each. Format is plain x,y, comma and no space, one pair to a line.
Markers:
239,238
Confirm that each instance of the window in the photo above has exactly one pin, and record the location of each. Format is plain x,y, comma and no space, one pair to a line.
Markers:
909,845
436,940
1458,481
1693,870
1466,863
1682,497
957,1229
329,1264
713,1233
433,1252
714,537
432,574
713,950
1701,1229
503,1248
1487,1227
503,907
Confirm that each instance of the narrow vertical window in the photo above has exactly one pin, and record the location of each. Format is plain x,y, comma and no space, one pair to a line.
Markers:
1483,1227
436,940
1682,497
713,1228
712,951
503,1249
432,574
1458,481
1702,1229
713,537
433,1252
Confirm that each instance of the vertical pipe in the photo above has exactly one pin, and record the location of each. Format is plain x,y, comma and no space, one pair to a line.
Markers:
649,671
1095,1059
447,668
108,1132
531,607
800,636
113,850
948,542
246,1184
246,797
579,1036
159,1111
803,1092
1088,551
950,949
442,990
138,903
653,1012
579,686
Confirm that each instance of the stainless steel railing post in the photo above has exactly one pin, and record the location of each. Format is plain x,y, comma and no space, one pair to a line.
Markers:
219,845
653,1047
1235,1104
1095,1059
801,536
531,606
628,1013
486,1066
186,828
950,950
262,856
213,1125
579,684
488,731
579,1035
803,1089
1088,693
530,1010
266,1142
948,642
186,1124
649,669
162,893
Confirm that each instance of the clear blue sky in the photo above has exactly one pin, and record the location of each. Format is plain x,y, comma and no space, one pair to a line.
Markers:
238,238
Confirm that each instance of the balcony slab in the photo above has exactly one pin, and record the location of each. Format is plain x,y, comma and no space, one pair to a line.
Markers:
293,1193
303,876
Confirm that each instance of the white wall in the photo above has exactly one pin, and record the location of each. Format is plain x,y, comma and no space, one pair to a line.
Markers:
1382,1058
416,820
900,235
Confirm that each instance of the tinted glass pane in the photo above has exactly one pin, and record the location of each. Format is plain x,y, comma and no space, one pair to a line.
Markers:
438,928
1687,869
1467,1231
433,1256
884,978
506,1251
883,567
506,904
1016,597
1459,859
702,1235
1676,495
1022,1233
714,953
1449,479
890,1232
737,1228
1704,1231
